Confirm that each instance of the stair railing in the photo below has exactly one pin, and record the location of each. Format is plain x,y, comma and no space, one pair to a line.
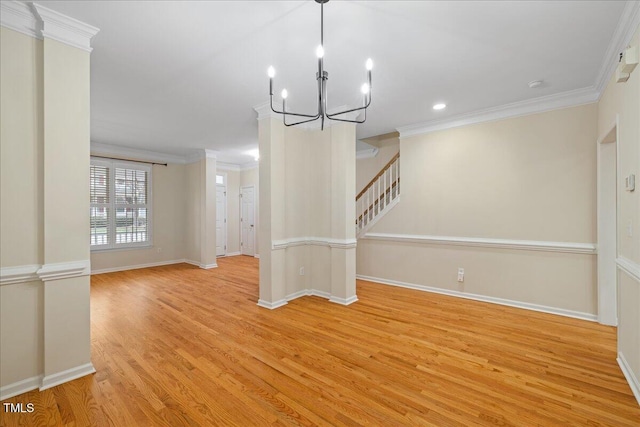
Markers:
379,194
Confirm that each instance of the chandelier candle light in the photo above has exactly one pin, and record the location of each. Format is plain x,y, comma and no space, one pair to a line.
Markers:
322,76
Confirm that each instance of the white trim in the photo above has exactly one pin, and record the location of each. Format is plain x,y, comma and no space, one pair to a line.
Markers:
629,267
65,29
64,270
606,214
143,155
314,241
19,274
308,293
528,245
367,154
18,16
136,266
232,167
191,262
531,106
629,21
634,384
66,376
200,154
271,305
228,254
344,301
20,387
208,266
484,298
257,256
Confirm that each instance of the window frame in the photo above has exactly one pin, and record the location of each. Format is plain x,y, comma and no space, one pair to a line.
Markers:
112,206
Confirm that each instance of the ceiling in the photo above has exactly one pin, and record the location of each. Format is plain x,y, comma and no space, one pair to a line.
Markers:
176,76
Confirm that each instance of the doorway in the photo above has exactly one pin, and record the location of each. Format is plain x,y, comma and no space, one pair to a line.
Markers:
607,226
247,221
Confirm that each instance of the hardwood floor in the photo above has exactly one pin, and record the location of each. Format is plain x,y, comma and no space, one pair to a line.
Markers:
178,345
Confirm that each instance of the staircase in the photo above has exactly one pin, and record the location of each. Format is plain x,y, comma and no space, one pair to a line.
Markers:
379,196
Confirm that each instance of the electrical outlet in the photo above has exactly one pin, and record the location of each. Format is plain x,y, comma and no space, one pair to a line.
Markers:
302,271
461,275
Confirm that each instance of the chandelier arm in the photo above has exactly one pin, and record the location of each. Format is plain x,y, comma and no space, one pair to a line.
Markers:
292,114
297,123
353,121
331,116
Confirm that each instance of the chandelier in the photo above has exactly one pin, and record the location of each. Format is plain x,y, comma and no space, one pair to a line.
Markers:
322,76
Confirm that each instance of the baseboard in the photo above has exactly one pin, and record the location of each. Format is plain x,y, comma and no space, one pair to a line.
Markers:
191,262
629,375
232,254
344,301
20,387
256,256
208,266
272,305
66,376
137,266
483,298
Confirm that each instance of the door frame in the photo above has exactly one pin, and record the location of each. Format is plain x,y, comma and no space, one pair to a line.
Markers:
607,269
226,211
242,220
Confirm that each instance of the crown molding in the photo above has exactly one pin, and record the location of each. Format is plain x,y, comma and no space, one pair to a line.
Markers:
367,154
19,17
627,25
231,167
134,153
202,153
65,29
536,105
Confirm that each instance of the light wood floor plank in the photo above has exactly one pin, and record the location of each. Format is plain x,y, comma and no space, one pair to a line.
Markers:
181,346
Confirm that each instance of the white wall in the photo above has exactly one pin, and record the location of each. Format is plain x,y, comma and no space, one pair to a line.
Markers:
526,178
622,101
21,213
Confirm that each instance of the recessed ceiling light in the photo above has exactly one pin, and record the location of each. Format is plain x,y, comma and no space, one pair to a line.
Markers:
439,106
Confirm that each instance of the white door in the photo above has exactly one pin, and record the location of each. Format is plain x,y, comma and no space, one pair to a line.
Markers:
221,220
247,220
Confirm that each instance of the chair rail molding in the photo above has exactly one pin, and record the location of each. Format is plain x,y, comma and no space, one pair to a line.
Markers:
19,274
530,245
314,241
64,270
629,267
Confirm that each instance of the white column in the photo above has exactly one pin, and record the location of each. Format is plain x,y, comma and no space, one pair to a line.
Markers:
65,272
208,168
272,201
343,213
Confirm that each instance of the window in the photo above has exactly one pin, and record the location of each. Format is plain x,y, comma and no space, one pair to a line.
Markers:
120,212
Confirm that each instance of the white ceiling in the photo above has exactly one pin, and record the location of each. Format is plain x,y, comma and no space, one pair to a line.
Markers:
175,76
